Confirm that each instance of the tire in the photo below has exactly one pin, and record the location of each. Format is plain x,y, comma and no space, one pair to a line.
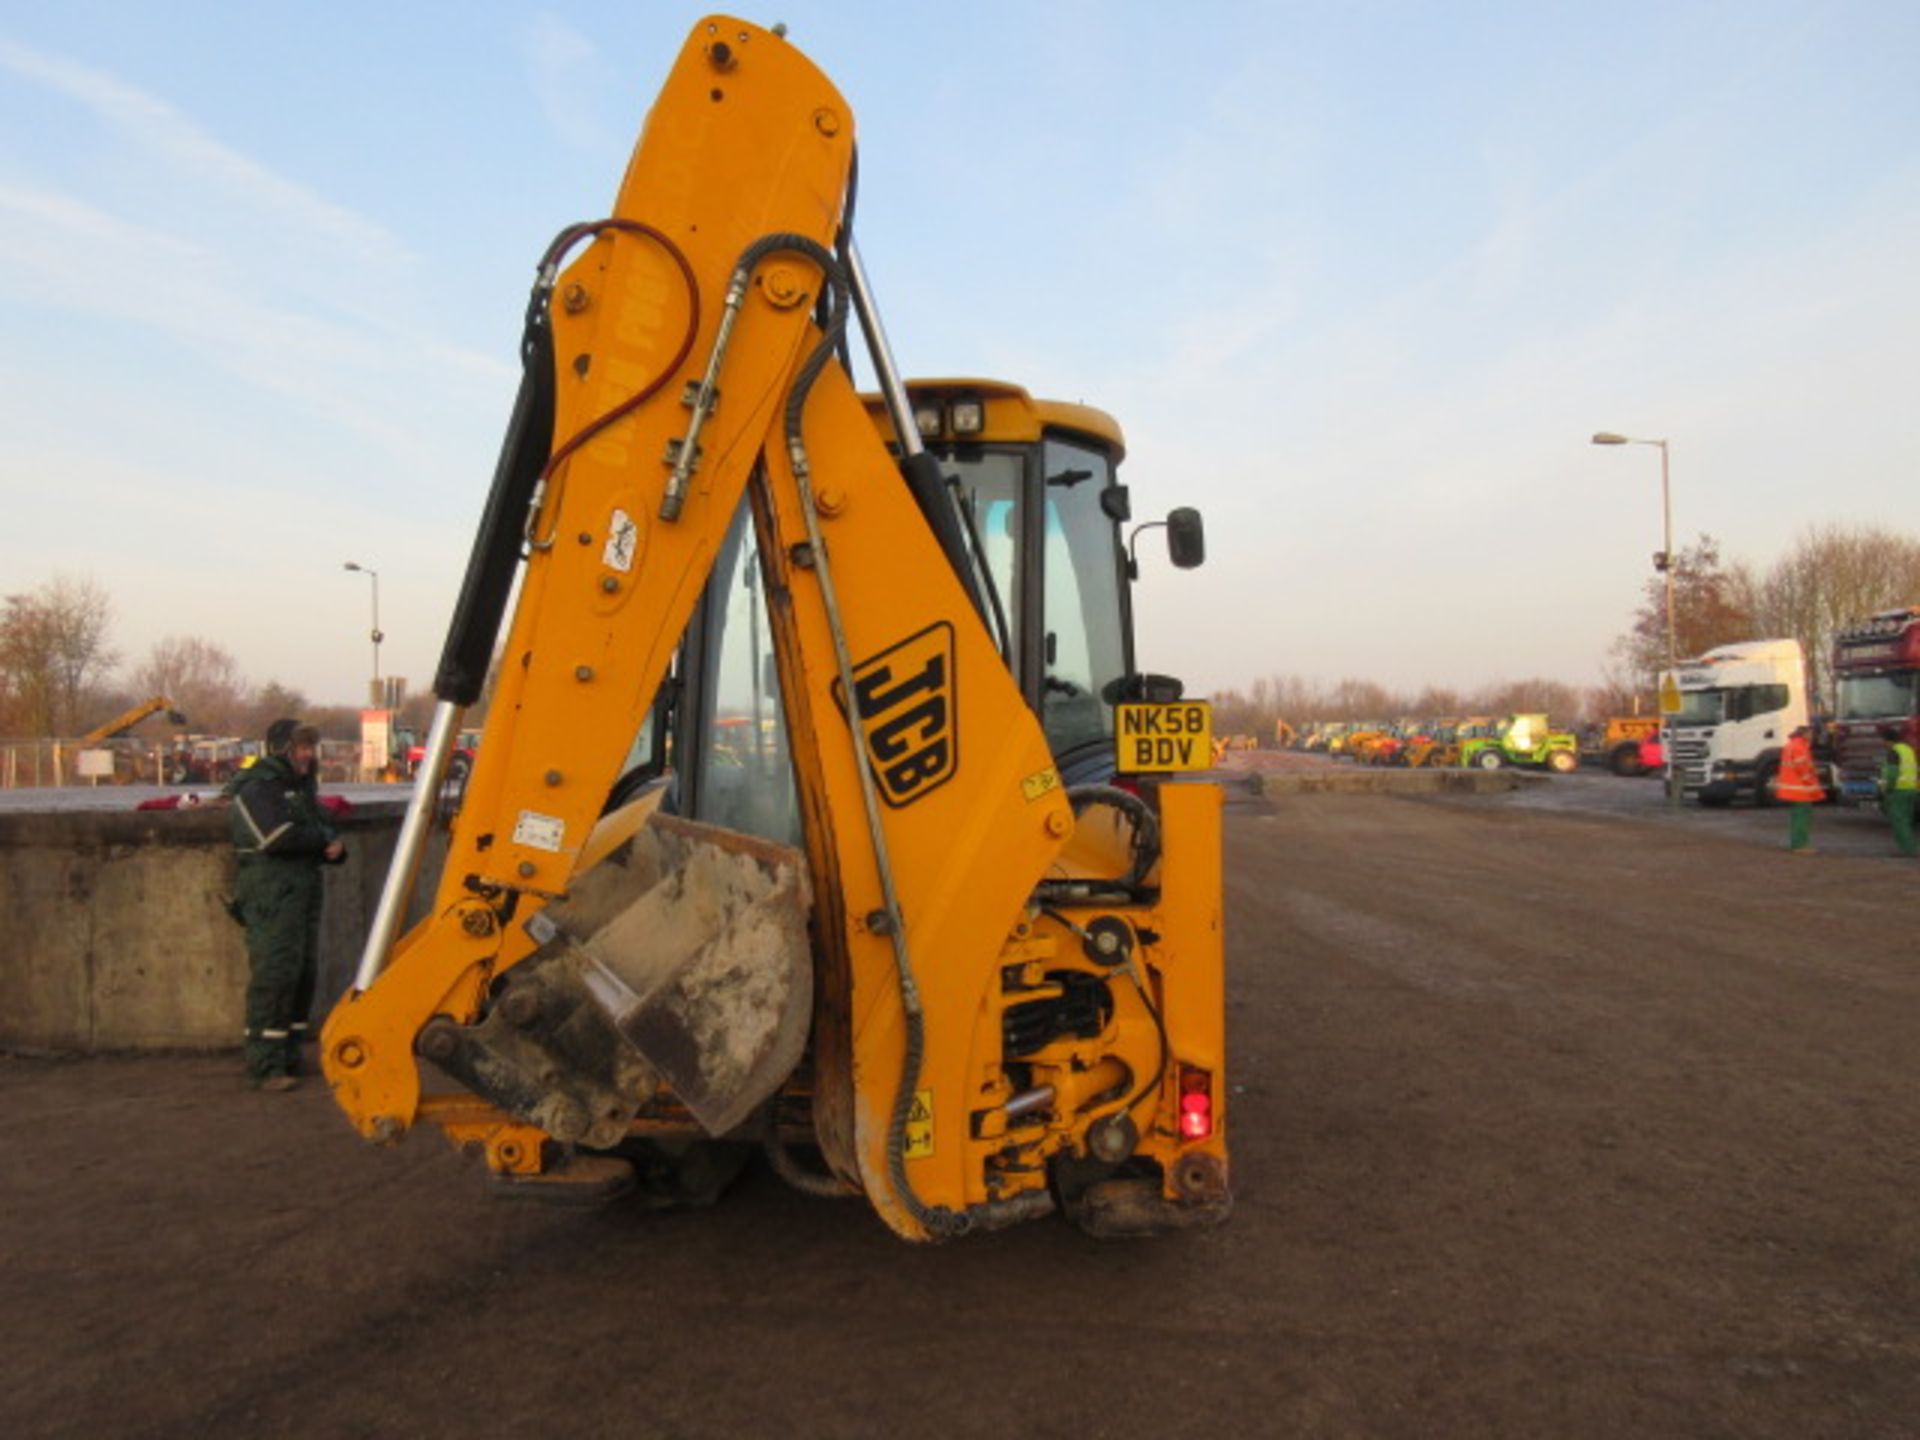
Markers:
1562,762
684,1174
1625,760
1490,758
1763,783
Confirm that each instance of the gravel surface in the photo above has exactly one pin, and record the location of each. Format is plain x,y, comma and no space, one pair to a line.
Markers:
1550,1120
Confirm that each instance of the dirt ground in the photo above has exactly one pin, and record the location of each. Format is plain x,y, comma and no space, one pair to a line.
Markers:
1548,1122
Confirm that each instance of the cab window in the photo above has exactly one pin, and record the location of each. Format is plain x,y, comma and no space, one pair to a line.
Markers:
1084,642
746,773
991,483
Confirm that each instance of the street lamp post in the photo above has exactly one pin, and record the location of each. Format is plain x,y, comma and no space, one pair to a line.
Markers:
1663,562
377,637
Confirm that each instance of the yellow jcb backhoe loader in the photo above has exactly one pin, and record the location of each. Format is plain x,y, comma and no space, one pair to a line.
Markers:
796,819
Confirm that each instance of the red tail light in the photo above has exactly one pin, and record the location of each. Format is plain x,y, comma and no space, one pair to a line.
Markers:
1196,1103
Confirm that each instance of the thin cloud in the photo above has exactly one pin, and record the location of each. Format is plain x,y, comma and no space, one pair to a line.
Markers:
100,264
80,221
567,73
152,124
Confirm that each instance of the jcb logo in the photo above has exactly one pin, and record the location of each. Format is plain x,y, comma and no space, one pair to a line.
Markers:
907,701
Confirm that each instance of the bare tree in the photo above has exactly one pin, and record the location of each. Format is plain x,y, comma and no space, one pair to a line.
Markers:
1301,701
1833,576
54,652
1437,701
1619,693
201,677
1356,699
271,702
1562,703
335,722
1709,609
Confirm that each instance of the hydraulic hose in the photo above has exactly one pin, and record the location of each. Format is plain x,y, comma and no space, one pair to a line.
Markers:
1146,832
938,1221
1138,976
528,458
807,1182
550,266
496,545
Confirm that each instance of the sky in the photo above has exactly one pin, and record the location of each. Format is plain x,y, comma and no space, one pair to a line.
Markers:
1359,280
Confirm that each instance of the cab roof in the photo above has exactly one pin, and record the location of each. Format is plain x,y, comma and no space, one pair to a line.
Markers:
1012,414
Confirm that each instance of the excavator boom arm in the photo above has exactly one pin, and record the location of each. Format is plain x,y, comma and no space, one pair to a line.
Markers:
573,967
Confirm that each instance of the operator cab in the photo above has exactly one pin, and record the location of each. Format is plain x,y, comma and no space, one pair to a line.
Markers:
1035,482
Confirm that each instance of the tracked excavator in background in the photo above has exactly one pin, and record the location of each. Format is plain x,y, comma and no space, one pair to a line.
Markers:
799,821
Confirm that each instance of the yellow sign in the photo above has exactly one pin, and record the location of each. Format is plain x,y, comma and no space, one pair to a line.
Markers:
1669,694
1040,784
1163,737
919,1144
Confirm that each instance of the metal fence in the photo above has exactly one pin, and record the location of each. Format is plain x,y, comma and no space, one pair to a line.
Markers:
27,764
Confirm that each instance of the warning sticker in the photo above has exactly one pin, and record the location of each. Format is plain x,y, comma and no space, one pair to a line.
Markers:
622,539
919,1144
1040,783
540,832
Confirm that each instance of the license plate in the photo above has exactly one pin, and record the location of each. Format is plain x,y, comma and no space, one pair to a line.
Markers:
1178,736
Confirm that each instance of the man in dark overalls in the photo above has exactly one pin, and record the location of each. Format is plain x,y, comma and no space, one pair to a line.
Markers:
283,838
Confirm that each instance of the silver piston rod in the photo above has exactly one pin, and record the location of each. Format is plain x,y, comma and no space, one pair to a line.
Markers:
411,845
892,388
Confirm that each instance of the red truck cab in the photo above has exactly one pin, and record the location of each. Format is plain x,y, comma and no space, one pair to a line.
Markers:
1876,673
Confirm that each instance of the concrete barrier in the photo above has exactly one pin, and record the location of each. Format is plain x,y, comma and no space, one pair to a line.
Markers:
1382,780
117,935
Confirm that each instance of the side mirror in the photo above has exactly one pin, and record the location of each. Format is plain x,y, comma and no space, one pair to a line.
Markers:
1186,537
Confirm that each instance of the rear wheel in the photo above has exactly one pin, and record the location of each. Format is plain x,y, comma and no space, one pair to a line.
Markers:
674,1173
1490,758
1562,762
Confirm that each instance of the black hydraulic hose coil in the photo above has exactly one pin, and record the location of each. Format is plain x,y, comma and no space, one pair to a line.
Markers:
1146,825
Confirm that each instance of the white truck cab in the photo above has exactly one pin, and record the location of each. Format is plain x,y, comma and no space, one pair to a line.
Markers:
1738,705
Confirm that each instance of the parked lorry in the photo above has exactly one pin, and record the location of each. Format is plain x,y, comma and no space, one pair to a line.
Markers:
1523,740
1876,671
794,822
1738,705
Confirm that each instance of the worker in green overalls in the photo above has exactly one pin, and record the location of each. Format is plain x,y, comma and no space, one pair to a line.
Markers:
283,838
1899,782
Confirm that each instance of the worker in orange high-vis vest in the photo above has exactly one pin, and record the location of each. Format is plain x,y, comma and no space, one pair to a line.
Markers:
1798,787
